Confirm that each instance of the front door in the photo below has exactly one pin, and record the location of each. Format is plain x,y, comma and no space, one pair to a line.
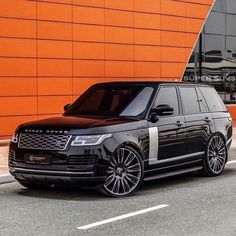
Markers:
167,135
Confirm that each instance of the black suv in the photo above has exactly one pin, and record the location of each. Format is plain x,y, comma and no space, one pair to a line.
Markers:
116,135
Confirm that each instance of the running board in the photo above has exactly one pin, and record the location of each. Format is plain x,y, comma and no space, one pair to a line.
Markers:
173,173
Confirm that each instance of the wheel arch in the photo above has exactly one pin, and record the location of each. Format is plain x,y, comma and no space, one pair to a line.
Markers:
220,134
134,146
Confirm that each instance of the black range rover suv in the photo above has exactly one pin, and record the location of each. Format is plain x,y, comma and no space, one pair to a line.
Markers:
116,135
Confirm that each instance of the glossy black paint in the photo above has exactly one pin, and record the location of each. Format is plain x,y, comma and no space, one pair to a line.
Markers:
181,144
84,125
172,136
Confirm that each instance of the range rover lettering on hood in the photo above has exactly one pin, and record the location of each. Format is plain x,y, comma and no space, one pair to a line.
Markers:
40,131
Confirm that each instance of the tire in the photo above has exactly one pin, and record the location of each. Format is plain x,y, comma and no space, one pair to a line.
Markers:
124,173
33,185
215,157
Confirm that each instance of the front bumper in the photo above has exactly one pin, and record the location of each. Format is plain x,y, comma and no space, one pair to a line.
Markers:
56,177
75,165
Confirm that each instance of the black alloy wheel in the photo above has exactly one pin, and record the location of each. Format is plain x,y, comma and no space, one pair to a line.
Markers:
216,156
124,173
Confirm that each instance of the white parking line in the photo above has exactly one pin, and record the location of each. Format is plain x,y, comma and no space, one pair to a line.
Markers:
231,162
122,217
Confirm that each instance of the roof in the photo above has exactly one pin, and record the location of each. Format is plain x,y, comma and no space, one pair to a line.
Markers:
150,83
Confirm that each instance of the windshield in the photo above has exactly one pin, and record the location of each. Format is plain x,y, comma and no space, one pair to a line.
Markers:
112,100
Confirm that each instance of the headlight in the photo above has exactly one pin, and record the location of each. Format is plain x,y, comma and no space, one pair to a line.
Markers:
90,140
14,138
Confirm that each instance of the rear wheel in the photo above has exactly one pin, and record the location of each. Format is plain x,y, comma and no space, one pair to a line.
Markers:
124,173
216,156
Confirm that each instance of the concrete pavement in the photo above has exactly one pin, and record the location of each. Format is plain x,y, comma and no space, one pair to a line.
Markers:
5,177
3,160
196,206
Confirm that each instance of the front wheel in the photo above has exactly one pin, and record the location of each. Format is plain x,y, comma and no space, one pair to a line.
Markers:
124,173
216,156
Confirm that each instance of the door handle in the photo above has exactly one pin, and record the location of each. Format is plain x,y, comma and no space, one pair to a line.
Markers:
179,123
207,119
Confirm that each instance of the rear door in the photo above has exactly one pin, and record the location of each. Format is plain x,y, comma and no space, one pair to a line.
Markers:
168,132
222,119
198,118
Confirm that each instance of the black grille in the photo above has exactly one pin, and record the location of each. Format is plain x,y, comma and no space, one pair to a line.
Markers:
11,155
44,141
83,160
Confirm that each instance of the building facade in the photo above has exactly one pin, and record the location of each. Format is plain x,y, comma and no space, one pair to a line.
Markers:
52,50
213,60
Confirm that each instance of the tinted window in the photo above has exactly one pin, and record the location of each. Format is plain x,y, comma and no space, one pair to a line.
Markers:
138,105
202,102
189,100
230,4
168,95
213,100
215,23
231,28
112,100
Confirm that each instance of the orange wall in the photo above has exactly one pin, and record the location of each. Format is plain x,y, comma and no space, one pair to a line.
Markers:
51,51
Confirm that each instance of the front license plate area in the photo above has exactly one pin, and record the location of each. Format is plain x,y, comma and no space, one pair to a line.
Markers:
37,159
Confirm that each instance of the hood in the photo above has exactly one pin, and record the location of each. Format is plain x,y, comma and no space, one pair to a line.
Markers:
82,125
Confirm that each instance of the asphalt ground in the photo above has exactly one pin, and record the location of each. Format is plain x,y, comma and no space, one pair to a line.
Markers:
182,205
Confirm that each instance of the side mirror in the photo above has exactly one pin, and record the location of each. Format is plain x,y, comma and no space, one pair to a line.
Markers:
66,107
161,110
